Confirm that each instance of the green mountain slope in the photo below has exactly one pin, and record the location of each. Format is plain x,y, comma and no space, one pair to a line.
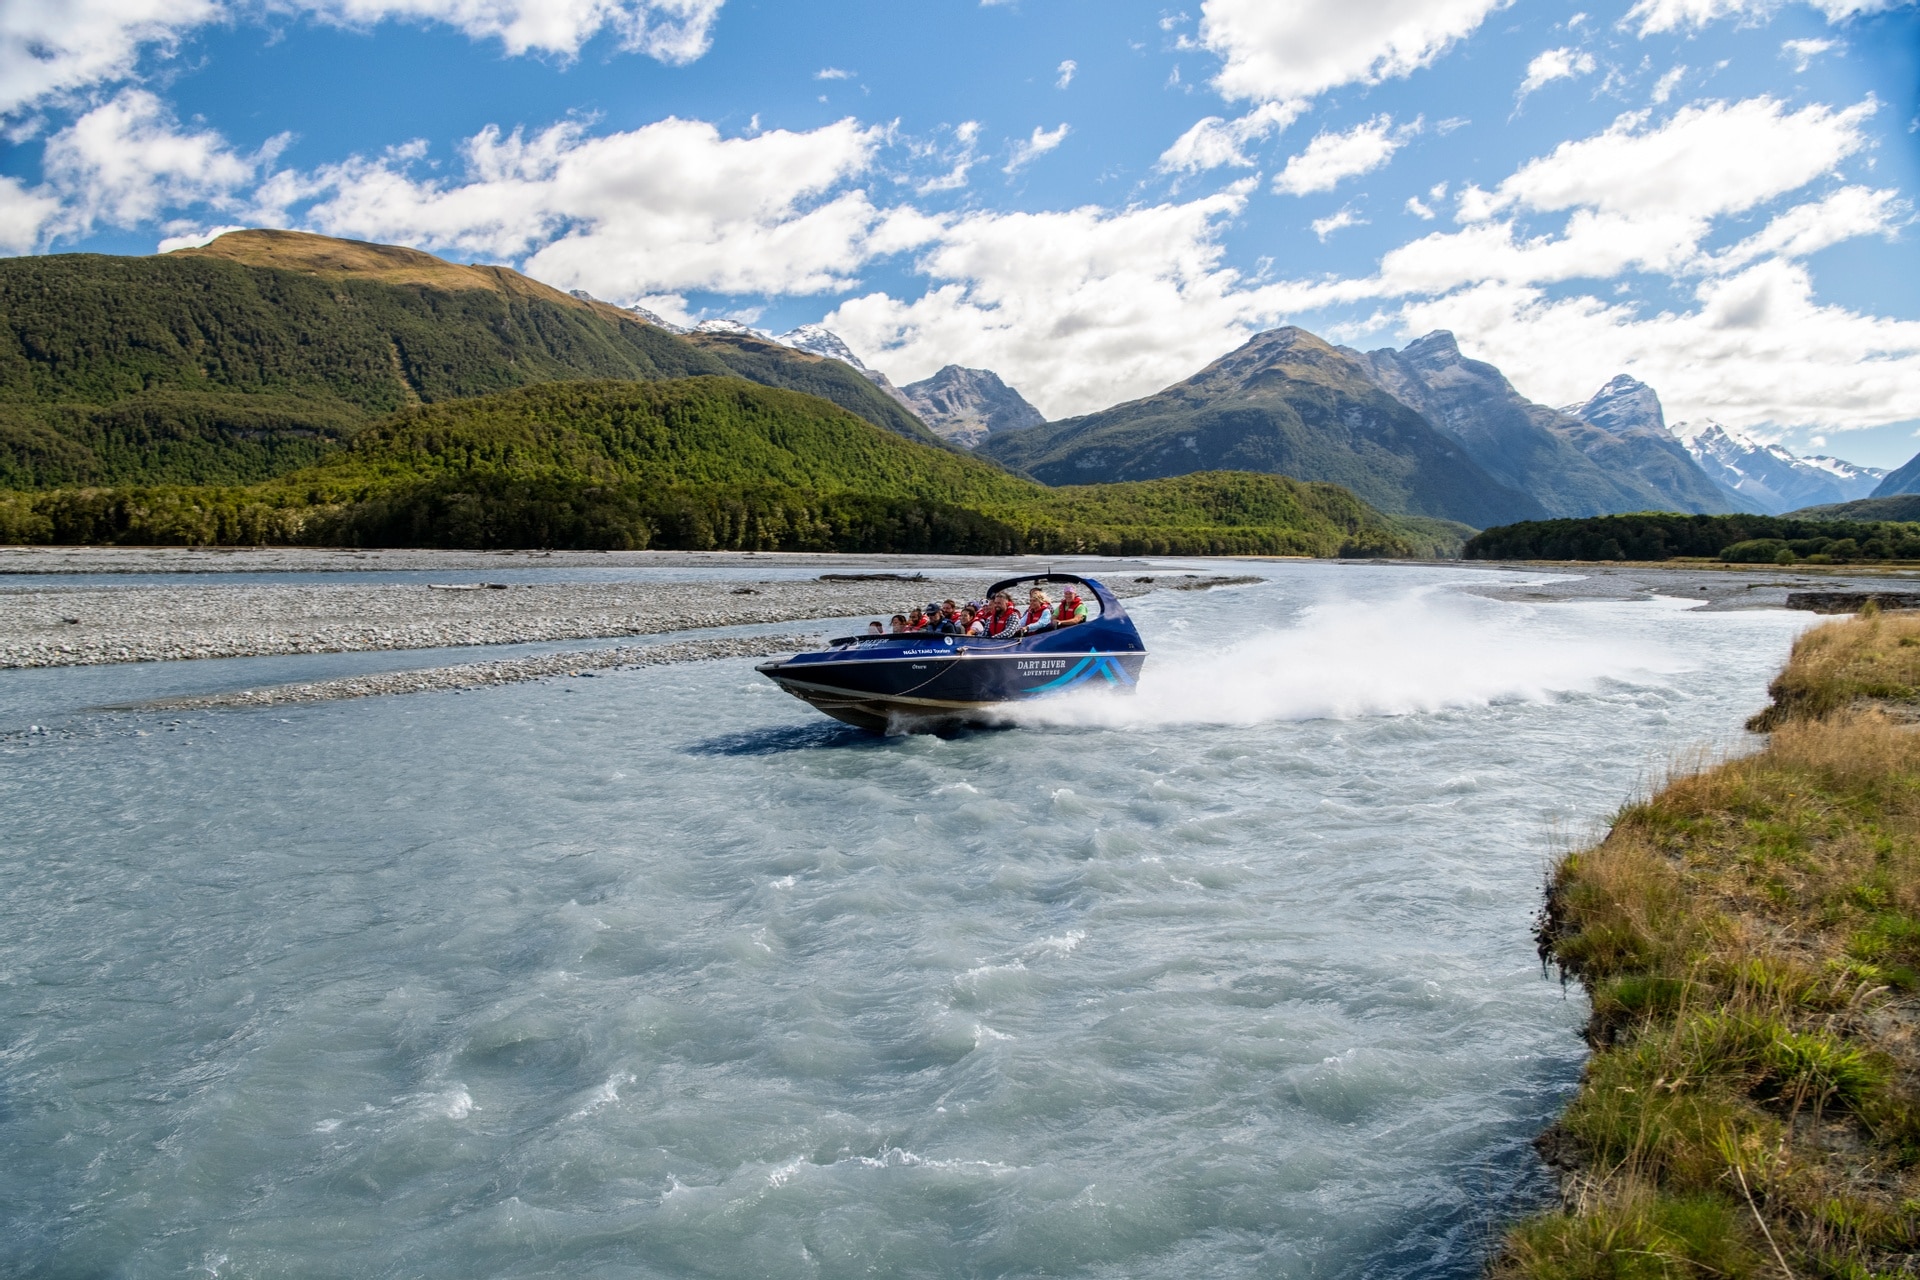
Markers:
1901,506
702,462
264,350
1286,403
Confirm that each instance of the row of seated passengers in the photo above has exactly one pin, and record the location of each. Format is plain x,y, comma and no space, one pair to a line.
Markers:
998,618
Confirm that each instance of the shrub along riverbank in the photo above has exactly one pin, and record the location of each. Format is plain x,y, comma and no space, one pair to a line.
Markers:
1660,535
706,464
1750,939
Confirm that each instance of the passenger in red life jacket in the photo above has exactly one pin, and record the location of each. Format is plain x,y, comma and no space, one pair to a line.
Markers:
1003,623
1072,609
917,619
1039,612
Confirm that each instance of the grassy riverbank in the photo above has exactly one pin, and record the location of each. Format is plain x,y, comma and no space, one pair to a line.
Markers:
1750,938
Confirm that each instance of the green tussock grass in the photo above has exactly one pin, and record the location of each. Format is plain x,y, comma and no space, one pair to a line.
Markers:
1750,937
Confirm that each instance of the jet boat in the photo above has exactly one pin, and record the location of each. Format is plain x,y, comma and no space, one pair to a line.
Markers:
921,680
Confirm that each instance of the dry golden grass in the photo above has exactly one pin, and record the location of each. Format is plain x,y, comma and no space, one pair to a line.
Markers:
389,264
1750,938
1875,656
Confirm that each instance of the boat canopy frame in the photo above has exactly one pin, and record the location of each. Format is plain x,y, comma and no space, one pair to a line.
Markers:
1110,607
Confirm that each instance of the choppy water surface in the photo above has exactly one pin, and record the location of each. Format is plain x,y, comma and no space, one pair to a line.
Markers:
661,974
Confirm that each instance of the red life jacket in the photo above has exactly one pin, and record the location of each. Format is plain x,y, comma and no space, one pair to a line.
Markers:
1034,612
1003,618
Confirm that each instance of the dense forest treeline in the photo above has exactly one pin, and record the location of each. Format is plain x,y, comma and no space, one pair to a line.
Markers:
1741,539
702,463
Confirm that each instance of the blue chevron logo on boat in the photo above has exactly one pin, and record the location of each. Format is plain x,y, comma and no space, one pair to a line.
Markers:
1091,667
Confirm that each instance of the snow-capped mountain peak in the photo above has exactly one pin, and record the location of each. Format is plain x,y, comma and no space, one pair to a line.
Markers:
822,341
1624,404
1772,476
732,327
657,321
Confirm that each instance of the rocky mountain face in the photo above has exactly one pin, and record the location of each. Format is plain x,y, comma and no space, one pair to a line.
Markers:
1773,477
1526,446
1623,428
966,406
1285,402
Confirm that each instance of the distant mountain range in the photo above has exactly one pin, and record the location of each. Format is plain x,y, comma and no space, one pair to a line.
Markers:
265,351
1285,402
1612,453
1771,477
957,404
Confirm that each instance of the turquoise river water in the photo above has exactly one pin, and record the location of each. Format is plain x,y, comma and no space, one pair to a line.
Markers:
662,974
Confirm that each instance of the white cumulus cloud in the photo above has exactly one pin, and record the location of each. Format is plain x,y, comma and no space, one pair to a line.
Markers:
1846,214
1641,198
1655,16
1756,349
1215,141
1027,150
24,215
1803,52
57,45
128,161
667,207
1297,49
1063,74
1077,308
53,46
673,31
1330,157
1708,159
1339,221
1556,64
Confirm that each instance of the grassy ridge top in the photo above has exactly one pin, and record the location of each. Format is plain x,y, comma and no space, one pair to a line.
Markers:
1750,938
704,462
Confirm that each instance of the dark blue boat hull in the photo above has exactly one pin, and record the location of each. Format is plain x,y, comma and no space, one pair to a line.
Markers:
902,682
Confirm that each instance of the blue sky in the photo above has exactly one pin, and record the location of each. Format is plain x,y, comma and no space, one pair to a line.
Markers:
1092,197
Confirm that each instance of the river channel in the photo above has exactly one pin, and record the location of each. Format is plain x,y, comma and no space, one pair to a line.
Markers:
659,973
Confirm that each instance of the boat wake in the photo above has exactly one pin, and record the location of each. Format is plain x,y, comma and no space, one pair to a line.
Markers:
1426,652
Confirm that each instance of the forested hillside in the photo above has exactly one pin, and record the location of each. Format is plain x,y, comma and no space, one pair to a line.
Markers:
261,352
704,463
1660,535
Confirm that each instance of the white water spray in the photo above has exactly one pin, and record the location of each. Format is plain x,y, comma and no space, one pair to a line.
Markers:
1427,651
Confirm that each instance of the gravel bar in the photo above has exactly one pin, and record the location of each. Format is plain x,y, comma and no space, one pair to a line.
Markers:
478,675
85,626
